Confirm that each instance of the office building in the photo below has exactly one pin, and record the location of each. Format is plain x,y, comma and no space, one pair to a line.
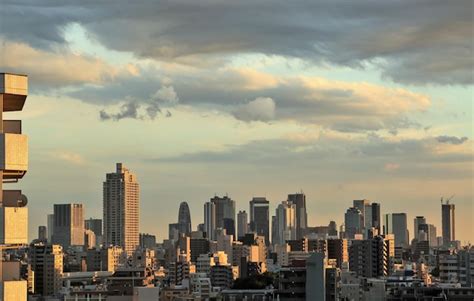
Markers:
354,222
242,224
50,227
419,220
210,220
95,225
184,219
42,233
224,213
448,223
147,241
260,217
299,199
428,231
68,225
121,209
396,224
284,223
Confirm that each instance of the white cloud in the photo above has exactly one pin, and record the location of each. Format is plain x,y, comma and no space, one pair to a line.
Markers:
259,109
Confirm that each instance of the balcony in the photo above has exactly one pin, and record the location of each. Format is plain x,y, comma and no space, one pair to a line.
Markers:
13,225
14,290
13,155
14,88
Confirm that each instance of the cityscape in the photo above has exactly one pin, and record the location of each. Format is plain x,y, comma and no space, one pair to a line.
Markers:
213,150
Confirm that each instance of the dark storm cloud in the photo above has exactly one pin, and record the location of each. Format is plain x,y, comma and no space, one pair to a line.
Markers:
417,42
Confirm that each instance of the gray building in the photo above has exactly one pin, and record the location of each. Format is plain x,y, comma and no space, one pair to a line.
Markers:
419,220
315,277
242,223
121,209
68,225
354,222
260,217
370,257
448,223
396,224
299,199
184,219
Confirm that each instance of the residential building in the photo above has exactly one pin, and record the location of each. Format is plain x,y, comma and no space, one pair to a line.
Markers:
121,209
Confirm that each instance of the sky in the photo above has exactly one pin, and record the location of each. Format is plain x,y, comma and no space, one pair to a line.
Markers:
341,100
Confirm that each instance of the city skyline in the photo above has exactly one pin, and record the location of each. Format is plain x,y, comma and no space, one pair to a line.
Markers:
368,112
383,225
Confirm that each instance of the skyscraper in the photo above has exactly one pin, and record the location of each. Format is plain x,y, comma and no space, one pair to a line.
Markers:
370,216
121,209
448,223
50,227
354,222
419,220
260,217
242,223
376,218
220,215
95,225
184,219
299,199
42,233
68,225
396,224
284,223
210,220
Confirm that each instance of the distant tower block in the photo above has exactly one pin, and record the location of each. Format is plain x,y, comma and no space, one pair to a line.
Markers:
13,166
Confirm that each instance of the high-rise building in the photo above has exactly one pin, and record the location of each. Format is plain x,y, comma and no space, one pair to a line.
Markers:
68,225
429,233
284,223
42,233
396,224
448,223
95,225
121,209
242,223
13,166
370,257
419,220
337,249
376,218
47,264
184,219
259,217
50,226
299,199
147,241
210,220
224,213
354,222
370,216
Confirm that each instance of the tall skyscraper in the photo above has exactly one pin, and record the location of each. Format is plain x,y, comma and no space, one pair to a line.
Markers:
299,199
260,217
184,219
210,220
448,223
242,224
376,218
354,222
429,233
95,225
370,216
419,220
42,233
396,224
50,226
68,225
121,209
221,214
284,223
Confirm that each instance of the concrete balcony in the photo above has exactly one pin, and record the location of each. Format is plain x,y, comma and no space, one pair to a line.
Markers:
14,89
13,225
13,155
14,290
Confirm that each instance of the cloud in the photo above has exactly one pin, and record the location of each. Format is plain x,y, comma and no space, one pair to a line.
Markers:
259,109
451,140
127,110
59,67
392,35
164,97
68,156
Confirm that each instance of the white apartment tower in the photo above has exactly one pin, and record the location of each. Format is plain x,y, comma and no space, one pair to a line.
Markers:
121,209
